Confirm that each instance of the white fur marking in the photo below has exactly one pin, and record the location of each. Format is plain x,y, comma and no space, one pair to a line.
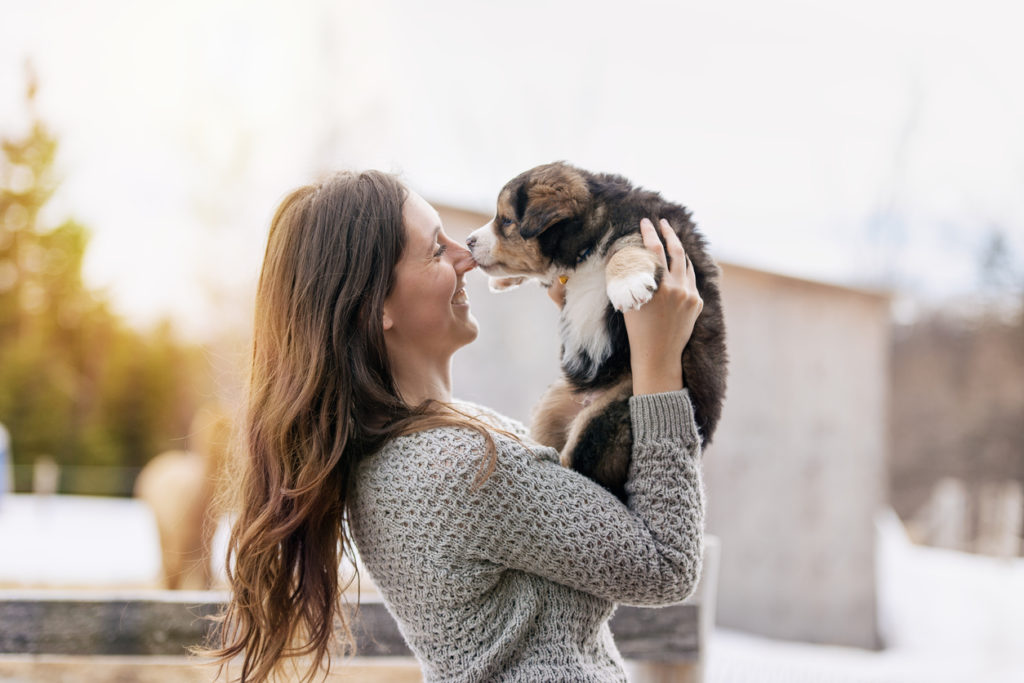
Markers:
583,326
484,245
631,291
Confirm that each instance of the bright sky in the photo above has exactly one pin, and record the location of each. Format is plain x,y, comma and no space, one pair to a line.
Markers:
866,142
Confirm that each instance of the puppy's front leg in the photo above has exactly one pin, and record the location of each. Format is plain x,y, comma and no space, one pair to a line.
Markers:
631,276
552,415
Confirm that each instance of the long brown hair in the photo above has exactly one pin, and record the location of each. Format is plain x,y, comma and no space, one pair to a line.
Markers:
321,397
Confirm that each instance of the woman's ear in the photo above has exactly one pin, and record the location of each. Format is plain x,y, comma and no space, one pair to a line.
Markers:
387,322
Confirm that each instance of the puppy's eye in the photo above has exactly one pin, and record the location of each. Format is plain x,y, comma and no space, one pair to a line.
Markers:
505,222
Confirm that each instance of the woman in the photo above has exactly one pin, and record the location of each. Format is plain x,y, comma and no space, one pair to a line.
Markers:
497,563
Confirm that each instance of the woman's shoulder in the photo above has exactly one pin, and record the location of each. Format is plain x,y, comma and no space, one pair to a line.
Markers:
426,450
456,450
492,418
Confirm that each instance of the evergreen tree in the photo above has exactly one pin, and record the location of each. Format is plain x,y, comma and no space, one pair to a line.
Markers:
75,382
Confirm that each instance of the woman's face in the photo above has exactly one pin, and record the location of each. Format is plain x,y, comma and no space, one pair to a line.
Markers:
427,310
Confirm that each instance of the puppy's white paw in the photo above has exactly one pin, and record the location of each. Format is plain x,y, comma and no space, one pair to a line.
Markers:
631,291
500,284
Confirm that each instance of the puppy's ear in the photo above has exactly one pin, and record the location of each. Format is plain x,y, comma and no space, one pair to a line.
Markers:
558,192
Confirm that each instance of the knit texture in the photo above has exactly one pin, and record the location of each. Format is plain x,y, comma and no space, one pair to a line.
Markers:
515,580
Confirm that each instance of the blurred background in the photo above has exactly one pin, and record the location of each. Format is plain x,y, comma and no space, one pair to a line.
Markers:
857,169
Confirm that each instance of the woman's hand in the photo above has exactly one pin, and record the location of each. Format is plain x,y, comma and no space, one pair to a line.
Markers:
557,293
660,329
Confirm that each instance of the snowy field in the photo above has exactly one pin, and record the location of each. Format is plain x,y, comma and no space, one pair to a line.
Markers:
946,617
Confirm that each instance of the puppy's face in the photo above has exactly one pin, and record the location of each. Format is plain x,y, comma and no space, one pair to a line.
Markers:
535,211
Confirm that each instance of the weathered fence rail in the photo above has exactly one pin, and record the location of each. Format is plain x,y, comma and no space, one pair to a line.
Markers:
664,644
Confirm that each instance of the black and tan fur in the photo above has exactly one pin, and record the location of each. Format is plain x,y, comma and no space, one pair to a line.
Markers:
557,221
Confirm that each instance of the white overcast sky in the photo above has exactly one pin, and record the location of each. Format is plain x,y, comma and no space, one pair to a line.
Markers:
871,143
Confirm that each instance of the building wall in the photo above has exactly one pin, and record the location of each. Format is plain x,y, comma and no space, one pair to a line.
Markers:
796,471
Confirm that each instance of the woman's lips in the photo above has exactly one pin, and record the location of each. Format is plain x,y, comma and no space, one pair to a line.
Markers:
460,298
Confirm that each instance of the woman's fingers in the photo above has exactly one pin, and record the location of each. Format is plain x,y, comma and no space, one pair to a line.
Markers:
691,273
556,292
691,286
650,237
682,270
674,246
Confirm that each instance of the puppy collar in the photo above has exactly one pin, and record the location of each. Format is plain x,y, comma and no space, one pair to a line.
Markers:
580,258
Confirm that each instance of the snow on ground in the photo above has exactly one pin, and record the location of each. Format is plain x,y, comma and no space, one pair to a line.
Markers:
934,601
77,541
740,658
946,617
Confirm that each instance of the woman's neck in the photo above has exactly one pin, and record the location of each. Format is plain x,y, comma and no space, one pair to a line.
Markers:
419,381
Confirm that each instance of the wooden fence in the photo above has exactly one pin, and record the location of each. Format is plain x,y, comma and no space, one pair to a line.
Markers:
45,632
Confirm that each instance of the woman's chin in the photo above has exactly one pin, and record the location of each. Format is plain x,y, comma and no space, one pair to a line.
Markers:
472,329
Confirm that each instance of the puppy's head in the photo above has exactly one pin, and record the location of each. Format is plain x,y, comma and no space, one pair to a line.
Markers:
537,227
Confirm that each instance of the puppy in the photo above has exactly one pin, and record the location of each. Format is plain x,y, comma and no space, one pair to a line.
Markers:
559,222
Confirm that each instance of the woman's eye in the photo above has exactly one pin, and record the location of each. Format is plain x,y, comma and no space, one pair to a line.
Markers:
440,251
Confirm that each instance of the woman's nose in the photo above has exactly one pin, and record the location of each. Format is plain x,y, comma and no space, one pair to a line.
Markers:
462,258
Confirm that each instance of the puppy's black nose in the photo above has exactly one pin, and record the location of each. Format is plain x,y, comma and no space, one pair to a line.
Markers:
471,242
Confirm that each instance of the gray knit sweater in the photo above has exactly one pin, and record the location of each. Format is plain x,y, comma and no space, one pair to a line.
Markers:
516,580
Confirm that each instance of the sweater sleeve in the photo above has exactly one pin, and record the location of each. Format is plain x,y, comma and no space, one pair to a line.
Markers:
533,515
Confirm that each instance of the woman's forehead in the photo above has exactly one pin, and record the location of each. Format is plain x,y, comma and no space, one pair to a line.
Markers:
421,220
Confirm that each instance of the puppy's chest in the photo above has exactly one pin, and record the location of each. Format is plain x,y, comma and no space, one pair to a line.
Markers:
584,328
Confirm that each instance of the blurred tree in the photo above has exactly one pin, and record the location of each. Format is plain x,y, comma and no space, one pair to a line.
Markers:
75,382
957,401
1001,272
